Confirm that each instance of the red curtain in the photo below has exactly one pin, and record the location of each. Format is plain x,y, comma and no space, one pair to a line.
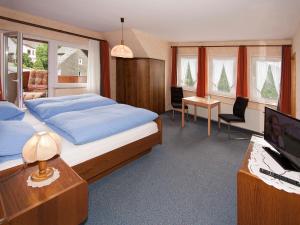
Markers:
105,73
202,76
174,67
284,104
242,80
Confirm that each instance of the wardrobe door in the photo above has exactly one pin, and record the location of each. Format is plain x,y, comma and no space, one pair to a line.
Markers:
143,83
157,85
130,81
120,80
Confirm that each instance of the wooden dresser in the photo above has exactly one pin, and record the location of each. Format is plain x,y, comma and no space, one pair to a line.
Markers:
261,204
141,83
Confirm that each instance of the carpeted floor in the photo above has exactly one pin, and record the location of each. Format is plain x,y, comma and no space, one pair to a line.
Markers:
189,180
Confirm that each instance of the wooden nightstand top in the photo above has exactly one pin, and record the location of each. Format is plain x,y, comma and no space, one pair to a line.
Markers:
18,198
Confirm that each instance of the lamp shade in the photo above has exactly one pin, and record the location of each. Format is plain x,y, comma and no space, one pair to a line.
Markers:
41,146
121,51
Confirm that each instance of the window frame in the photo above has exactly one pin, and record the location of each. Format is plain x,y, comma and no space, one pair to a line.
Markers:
68,85
179,75
210,75
253,76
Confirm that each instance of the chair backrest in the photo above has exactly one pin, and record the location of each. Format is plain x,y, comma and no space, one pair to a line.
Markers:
38,80
240,106
176,94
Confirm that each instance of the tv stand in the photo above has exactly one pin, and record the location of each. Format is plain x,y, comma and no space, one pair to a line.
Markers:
259,203
283,162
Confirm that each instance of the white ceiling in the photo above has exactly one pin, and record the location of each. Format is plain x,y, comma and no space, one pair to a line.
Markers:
181,20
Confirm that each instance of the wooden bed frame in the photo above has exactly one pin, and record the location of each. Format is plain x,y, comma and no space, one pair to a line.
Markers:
95,168
102,165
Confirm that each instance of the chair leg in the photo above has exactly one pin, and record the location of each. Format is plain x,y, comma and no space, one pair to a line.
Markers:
236,138
187,114
228,131
173,114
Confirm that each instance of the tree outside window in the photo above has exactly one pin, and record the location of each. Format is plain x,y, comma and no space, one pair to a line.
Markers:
265,80
187,73
188,81
269,90
223,84
222,76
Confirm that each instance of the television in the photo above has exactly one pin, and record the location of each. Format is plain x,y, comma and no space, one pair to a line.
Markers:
283,133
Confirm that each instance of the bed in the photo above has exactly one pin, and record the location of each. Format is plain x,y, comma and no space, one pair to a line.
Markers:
95,159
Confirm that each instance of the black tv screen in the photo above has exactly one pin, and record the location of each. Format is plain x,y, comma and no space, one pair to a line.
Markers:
283,133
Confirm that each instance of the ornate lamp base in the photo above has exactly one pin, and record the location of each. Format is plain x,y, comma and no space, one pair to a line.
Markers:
43,173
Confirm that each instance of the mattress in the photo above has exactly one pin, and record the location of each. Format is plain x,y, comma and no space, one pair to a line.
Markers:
76,154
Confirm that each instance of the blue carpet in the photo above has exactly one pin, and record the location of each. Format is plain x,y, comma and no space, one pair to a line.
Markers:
189,180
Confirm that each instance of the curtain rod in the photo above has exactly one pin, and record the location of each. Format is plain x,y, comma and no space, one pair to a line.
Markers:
48,28
231,46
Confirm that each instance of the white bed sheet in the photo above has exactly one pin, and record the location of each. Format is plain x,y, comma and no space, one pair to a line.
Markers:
76,154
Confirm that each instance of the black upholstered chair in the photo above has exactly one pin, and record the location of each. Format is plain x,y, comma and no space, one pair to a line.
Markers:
238,115
176,99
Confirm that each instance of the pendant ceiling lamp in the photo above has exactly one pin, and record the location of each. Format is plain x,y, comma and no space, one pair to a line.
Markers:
122,50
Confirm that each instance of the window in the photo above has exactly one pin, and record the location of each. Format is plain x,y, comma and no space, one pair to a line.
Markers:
72,64
187,72
222,76
265,79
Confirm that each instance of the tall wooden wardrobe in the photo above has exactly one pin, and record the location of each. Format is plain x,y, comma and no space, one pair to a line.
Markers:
141,83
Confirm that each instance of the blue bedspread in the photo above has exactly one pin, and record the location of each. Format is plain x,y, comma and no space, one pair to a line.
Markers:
46,109
33,103
80,127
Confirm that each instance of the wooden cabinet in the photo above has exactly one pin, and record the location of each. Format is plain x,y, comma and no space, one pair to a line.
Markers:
64,202
261,204
141,83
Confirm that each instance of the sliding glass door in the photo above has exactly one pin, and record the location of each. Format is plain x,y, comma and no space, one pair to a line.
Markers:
13,67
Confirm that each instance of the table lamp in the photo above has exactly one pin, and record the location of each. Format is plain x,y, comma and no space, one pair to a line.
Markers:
41,147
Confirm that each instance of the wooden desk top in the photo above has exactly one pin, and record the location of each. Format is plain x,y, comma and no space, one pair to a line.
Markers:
17,197
200,101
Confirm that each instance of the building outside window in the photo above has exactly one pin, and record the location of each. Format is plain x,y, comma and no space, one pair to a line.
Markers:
72,64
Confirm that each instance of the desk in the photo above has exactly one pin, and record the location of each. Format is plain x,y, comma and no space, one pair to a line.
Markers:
201,102
261,204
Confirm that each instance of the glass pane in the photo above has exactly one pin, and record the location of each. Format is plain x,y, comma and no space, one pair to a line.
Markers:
265,81
72,64
11,70
35,69
223,76
188,72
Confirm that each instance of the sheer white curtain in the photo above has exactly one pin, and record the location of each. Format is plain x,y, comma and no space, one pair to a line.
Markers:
217,70
262,71
229,69
94,67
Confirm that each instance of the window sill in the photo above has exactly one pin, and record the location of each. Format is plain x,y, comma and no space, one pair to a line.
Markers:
189,89
230,101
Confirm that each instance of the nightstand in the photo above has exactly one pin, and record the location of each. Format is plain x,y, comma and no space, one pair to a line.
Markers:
63,202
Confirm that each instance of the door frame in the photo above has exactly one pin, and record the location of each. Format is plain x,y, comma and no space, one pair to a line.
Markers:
19,56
